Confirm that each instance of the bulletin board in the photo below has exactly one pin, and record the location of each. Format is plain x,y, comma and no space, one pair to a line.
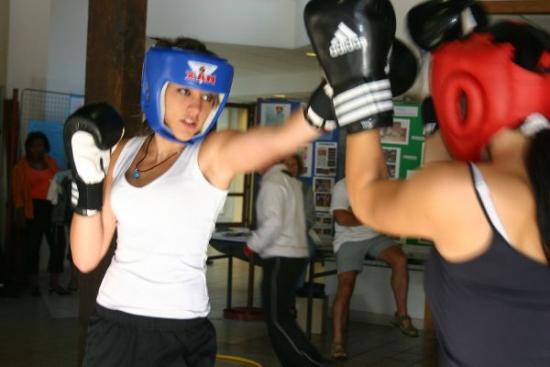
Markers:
324,173
320,159
403,145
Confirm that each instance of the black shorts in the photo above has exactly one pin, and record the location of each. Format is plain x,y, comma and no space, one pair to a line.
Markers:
119,339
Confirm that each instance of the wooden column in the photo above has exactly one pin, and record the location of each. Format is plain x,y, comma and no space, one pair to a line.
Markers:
114,58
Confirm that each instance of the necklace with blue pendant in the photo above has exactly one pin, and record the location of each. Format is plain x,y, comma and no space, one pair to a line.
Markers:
136,174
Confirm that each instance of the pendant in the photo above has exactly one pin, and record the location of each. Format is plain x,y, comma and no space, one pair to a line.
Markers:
135,174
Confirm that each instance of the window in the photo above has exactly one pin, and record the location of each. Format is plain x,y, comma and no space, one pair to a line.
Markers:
237,210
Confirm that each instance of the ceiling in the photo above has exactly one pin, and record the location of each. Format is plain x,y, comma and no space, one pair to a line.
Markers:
261,61
265,60
251,61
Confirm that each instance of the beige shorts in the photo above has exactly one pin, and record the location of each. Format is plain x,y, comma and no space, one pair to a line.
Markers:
351,255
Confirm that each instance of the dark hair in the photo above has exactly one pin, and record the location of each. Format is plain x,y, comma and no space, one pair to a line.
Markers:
538,168
299,162
36,135
184,43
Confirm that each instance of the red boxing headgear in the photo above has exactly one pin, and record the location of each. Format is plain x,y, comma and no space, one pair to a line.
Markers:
478,89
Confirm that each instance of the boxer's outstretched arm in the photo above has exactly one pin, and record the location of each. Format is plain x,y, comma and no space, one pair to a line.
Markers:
228,153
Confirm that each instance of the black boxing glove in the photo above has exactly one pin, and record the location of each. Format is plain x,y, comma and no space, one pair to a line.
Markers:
433,22
89,134
319,112
352,39
403,68
429,119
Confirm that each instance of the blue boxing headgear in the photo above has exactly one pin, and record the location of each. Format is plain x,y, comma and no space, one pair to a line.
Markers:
190,69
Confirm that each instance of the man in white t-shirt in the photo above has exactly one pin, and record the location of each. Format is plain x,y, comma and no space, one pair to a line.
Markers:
352,242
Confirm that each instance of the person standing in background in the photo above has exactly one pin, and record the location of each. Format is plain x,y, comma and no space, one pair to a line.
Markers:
280,240
32,175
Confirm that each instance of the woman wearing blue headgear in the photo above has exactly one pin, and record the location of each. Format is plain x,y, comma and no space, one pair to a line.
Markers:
162,193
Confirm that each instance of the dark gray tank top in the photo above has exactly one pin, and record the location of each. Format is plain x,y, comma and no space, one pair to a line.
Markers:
494,310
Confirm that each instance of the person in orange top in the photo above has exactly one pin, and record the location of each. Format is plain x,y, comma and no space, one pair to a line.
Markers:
32,175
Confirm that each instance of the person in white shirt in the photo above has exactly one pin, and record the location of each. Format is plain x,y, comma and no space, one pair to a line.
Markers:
280,240
352,242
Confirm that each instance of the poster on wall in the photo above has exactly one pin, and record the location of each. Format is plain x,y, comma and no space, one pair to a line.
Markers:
398,133
307,159
323,225
323,184
326,158
392,158
272,113
322,201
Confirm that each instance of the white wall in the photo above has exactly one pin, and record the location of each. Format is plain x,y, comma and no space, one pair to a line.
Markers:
28,44
300,37
4,28
246,22
47,45
67,46
373,300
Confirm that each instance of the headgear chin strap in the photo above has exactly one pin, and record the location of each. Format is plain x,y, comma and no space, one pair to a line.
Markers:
187,68
478,89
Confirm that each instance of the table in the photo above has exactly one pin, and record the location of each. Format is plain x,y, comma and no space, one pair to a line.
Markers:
231,243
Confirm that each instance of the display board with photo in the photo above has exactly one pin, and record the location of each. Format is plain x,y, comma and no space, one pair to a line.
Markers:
392,156
323,226
398,133
322,192
326,158
323,184
272,113
322,201
307,159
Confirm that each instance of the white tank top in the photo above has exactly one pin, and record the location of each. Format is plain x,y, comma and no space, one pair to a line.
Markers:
159,266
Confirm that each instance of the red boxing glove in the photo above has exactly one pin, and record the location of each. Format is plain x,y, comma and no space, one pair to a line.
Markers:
248,251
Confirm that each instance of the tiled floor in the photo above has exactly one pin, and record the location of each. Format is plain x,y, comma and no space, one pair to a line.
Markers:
43,331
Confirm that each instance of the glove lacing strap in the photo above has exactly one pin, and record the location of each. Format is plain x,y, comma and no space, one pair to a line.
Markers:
363,101
320,122
90,202
325,123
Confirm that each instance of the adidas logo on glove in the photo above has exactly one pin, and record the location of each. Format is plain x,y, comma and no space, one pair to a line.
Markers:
345,41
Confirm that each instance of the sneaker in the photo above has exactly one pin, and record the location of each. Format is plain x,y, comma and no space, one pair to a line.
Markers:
338,352
404,324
